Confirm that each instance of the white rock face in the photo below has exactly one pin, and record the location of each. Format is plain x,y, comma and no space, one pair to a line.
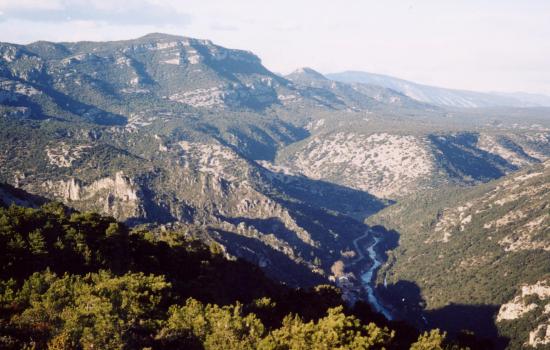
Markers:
522,240
209,158
542,138
68,190
540,336
76,58
123,61
450,219
175,60
191,51
114,196
194,58
490,144
287,99
382,164
518,307
221,176
517,188
312,126
226,95
519,152
167,45
210,97
10,54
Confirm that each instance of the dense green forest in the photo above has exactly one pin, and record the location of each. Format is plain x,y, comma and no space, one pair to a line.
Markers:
71,280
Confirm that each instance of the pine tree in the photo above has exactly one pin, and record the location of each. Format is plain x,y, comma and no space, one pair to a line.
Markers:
37,243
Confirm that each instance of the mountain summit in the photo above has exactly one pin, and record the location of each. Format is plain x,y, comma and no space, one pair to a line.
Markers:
305,74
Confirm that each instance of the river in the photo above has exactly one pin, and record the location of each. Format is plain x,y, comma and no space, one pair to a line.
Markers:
368,276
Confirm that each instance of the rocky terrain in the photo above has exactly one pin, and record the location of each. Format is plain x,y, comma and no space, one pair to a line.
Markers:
532,302
383,164
394,165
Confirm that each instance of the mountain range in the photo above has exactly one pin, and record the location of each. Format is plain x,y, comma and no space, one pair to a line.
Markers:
442,96
172,133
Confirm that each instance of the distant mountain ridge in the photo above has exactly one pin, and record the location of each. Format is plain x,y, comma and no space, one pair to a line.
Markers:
443,96
357,96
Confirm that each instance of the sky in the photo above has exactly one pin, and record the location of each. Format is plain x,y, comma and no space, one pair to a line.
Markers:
483,45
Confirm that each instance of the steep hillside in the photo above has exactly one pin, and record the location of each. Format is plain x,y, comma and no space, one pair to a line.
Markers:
272,219
487,246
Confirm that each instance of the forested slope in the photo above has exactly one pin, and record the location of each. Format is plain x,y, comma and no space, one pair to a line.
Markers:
486,247
72,280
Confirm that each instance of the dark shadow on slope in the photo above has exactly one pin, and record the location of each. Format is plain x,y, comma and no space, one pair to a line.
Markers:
141,70
514,147
287,132
66,103
460,321
85,111
11,195
469,325
261,254
34,110
390,240
334,231
255,143
472,325
262,142
323,95
154,209
331,214
355,203
273,225
460,157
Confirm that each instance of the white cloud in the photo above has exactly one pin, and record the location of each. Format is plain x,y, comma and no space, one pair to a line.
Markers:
31,4
120,12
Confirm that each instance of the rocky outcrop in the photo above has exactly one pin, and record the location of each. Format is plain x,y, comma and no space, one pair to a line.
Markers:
116,196
532,300
519,306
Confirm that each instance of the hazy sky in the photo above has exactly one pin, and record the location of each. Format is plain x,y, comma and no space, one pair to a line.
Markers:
486,45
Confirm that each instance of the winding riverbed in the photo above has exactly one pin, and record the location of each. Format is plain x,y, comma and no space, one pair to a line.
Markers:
367,276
